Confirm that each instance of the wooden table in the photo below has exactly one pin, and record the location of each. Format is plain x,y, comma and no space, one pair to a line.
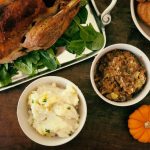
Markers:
106,125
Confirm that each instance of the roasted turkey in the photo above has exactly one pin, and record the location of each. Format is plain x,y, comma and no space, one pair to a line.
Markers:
28,25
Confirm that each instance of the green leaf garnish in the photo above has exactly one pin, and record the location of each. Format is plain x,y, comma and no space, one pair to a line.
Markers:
76,47
48,60
88,33
97,43
83,2
83,14
5,77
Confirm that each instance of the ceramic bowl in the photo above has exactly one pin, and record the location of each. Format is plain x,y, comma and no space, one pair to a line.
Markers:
143,59
22,112
142,27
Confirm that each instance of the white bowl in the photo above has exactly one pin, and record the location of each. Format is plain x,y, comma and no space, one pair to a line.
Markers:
142,27
22,112
142,58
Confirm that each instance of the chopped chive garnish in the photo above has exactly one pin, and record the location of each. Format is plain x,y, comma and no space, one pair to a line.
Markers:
47,130
44,100
68,108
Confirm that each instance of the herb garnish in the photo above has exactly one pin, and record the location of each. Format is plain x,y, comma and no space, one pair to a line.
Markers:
47,130
68,108
44,100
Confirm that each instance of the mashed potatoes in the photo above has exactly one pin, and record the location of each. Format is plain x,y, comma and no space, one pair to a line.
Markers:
53,110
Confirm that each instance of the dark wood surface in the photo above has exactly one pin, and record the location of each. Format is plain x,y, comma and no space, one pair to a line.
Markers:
106,125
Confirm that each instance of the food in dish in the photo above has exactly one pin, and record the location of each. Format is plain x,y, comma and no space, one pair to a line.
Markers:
30,25
119,75
53,111
143,10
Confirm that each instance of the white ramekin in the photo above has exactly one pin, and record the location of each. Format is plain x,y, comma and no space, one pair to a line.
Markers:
143,60
22,112
141,26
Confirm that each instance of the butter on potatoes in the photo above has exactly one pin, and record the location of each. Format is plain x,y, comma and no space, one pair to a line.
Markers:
53,110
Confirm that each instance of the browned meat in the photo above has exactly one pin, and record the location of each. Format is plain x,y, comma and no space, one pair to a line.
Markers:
15,21
34,25
17,16
47,31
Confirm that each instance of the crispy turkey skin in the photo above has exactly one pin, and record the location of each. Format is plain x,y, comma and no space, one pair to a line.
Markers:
31,25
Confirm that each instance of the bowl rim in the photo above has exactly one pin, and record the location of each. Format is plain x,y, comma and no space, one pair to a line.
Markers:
136,22
126,47
83,107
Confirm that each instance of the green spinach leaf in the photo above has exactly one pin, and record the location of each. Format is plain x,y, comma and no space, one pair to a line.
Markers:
88,33
5,77
48,60
97,43
83,14
76,47
25,67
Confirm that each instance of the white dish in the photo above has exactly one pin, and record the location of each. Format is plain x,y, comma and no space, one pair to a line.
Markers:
142,27
22,112
144,61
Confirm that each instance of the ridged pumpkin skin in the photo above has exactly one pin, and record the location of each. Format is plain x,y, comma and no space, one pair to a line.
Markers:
139,124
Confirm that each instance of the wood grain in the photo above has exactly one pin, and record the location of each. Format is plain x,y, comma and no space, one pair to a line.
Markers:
106,125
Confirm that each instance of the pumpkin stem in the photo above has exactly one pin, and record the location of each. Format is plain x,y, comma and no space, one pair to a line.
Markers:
147,124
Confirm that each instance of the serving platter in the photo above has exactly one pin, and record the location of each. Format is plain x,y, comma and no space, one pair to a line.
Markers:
142,27
66,59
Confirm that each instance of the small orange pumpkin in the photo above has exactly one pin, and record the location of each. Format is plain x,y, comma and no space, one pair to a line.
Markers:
139,124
